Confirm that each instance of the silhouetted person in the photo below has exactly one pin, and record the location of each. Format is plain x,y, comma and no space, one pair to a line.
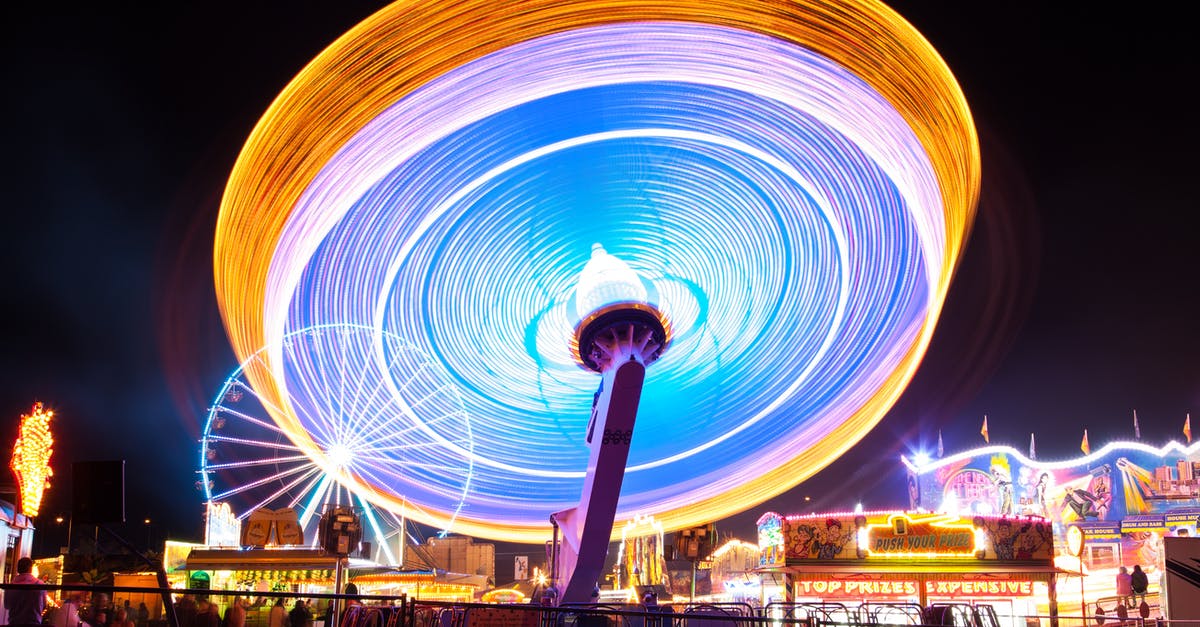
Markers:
25,607
207,614
300,615
1138,583
185,611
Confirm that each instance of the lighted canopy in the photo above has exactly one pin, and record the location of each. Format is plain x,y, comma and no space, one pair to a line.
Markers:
792,182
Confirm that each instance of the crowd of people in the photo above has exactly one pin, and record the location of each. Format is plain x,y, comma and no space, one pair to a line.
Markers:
1131,590
36,607
78,609
200,611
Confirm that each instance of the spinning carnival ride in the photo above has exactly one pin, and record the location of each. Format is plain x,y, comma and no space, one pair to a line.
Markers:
789,184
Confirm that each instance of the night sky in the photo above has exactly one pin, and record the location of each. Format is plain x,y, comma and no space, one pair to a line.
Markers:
1075,303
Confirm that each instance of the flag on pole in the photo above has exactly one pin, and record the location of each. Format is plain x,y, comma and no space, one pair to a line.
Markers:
941,451
984,432
1032,448
1137,432
1187,428
1084,446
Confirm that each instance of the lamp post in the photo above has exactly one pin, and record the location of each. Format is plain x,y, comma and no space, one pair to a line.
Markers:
148,528
59,520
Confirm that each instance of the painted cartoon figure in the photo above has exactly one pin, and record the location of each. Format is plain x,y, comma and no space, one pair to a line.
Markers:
1002,477
802,540
1039,494
1092,503
1029,541
832,539
1003,540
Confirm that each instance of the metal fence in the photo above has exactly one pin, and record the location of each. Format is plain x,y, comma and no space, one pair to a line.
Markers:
361,610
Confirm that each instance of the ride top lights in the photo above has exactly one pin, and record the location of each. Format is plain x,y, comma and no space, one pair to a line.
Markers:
795,181
617,322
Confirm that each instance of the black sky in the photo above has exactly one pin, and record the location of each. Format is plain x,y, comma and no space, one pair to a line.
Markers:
1075,302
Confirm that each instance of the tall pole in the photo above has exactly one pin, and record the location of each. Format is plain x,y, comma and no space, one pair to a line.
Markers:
1082,601
692,595
339,577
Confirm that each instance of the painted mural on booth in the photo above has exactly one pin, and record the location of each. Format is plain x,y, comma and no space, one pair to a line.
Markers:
1121,480
909,535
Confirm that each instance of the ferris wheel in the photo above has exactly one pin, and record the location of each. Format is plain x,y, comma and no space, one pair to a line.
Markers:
379,412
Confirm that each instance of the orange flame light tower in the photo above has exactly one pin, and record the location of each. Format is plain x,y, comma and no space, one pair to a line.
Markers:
31,458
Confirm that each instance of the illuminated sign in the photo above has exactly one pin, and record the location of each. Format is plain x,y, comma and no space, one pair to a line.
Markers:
856,588
504,595
1143,523
31,458
262,523
976,588
221,526
770,538
1102,530
902,535
876,588
1182,518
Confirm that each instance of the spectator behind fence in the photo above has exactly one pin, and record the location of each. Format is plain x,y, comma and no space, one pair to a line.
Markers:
1138,583
25,607
207,614
235,615
1124,587
68,614
278,616
300,616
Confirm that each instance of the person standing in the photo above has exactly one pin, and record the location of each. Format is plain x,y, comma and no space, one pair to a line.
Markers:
68,613
121,619
277,617
207,613
1125,587
235,616
186,610
1138,584
299,616
25,607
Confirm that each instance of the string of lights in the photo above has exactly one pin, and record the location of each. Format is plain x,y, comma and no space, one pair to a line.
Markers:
793,184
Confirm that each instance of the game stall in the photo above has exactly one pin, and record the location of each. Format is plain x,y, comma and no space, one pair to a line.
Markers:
1124,499
898,558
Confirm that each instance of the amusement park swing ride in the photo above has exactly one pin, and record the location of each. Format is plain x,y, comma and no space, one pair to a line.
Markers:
456,205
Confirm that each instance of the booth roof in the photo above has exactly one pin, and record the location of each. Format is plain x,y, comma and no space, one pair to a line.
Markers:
263,559
962,569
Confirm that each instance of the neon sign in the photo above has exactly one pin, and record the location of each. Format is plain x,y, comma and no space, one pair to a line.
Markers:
954,589
770,538
902,535
979,588
31,458
856,588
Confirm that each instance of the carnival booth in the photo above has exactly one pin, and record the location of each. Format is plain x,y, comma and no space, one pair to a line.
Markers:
304,570
859,559
1124,499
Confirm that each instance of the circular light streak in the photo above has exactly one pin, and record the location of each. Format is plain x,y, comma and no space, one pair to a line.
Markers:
379,422
792,184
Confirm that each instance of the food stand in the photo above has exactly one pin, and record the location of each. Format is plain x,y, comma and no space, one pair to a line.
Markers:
304,570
